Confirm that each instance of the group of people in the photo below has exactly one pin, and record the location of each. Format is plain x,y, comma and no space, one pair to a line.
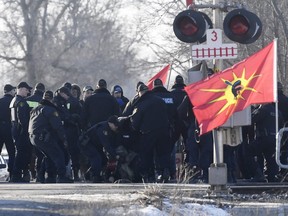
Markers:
44,132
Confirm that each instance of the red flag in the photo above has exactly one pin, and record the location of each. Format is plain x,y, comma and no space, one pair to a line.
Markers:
161,75
251,81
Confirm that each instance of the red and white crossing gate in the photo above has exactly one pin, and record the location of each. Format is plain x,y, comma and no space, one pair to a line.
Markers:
214,49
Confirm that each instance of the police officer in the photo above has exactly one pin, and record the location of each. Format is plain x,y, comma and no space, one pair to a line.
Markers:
178,93
99,106
150,119
198,149
103,135
20,120
264,118
70,110
33,101
160,91
5,125
130,105
282,105
45,128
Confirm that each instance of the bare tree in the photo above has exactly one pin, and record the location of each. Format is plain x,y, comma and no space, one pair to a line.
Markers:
66,40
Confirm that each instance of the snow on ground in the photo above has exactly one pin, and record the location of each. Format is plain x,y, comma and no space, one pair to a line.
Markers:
167,208
170,209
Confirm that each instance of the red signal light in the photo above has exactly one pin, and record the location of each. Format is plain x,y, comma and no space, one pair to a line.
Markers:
242,26
188,26
239,25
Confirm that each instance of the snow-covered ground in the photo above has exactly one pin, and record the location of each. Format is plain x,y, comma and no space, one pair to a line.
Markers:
170,209
166,208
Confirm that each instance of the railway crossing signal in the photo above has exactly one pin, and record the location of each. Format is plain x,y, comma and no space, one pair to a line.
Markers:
242,26
239,25
190,26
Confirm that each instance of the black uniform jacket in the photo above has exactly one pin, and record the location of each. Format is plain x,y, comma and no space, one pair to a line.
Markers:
33,100
46,118
20,112
104,137
265,119
169,100
150,113
5,115
178,93
99,107
130,106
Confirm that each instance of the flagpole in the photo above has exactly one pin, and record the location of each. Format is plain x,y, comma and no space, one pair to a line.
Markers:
275,85
169,76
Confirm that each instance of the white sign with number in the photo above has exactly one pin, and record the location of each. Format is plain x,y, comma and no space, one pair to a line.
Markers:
214,49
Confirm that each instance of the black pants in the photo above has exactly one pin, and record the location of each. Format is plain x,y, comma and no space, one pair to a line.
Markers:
154,146
53,151
23,153
6,138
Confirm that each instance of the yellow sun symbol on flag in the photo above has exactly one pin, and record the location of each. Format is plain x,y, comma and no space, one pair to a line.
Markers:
234,90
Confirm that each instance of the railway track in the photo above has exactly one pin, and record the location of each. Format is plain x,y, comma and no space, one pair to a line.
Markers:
248,187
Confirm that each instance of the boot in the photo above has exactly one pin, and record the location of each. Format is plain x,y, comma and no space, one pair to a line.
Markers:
16,177
64,179
51,178
40,176
164,176
96,179
26,176
76,175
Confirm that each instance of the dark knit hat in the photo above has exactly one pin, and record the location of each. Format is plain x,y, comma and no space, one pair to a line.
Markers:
68,85
24,85
142,87
65,90
117,89
8,88
157,82
114,119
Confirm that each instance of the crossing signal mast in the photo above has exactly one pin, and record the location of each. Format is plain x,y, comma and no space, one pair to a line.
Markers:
239,25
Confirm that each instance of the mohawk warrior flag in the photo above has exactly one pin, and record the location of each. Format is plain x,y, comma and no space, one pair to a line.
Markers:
160,75
251,81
